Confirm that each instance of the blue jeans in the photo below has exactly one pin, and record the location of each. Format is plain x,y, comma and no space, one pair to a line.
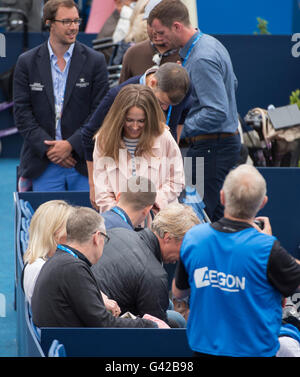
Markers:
175,317
57,178
220,156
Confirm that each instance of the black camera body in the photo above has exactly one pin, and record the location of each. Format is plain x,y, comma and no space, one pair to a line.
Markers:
259,223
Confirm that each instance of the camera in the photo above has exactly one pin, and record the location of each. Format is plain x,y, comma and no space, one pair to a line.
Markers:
259,223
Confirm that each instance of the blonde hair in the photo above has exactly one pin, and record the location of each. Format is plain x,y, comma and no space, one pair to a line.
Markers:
244,190
175,219
138,26
109,136
47,226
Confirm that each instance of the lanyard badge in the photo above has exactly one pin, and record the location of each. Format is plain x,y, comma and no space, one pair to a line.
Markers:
67,250
183,64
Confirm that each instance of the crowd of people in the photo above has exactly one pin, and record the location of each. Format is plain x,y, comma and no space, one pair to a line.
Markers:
90,267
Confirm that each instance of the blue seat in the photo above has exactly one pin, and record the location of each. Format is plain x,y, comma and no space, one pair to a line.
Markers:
36,330
57,349
193,199
32,336
25,222
26,209
23,240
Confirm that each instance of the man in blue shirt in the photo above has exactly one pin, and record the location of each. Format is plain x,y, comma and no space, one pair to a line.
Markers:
134,204
211,125
236,275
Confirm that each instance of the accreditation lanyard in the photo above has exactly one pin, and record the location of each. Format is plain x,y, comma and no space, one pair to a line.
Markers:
120,213
183,64
67,250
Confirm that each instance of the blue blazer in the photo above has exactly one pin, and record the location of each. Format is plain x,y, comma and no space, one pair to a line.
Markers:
34,109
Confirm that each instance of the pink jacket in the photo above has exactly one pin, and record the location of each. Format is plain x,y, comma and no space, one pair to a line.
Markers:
164,168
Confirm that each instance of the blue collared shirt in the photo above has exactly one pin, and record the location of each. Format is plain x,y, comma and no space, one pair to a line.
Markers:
116,217
210,69
59,79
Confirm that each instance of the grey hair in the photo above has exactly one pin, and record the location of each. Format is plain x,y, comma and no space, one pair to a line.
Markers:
175,219
82,224
244,190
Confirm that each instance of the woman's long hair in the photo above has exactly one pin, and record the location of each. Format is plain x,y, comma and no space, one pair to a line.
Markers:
47,226
109,136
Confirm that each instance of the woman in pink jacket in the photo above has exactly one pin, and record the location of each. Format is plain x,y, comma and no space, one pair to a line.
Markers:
134,140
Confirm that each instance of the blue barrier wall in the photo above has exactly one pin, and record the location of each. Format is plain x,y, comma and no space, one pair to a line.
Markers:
283,207
239,17
105,342
265,68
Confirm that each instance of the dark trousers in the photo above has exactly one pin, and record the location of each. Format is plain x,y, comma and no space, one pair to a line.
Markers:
220,156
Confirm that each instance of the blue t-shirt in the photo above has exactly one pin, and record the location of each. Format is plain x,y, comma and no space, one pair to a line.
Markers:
234,310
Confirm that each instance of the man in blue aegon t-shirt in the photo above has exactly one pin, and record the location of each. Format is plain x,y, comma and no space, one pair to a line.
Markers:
236,275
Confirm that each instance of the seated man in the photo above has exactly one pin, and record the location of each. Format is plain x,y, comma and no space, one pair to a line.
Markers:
134,204
236,275
66,293
131,270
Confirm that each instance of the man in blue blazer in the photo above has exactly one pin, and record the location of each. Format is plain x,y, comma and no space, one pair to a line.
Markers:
57,86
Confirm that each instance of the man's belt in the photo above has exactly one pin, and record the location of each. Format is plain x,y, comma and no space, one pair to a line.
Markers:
223,135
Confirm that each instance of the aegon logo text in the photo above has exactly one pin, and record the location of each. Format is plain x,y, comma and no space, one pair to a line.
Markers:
204,277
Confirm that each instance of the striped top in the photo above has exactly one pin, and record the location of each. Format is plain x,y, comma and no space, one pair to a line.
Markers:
131,145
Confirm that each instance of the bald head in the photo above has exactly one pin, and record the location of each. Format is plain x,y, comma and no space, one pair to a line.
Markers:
244,192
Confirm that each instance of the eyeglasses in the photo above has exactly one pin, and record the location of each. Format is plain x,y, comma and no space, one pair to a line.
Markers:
68,23
106,237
